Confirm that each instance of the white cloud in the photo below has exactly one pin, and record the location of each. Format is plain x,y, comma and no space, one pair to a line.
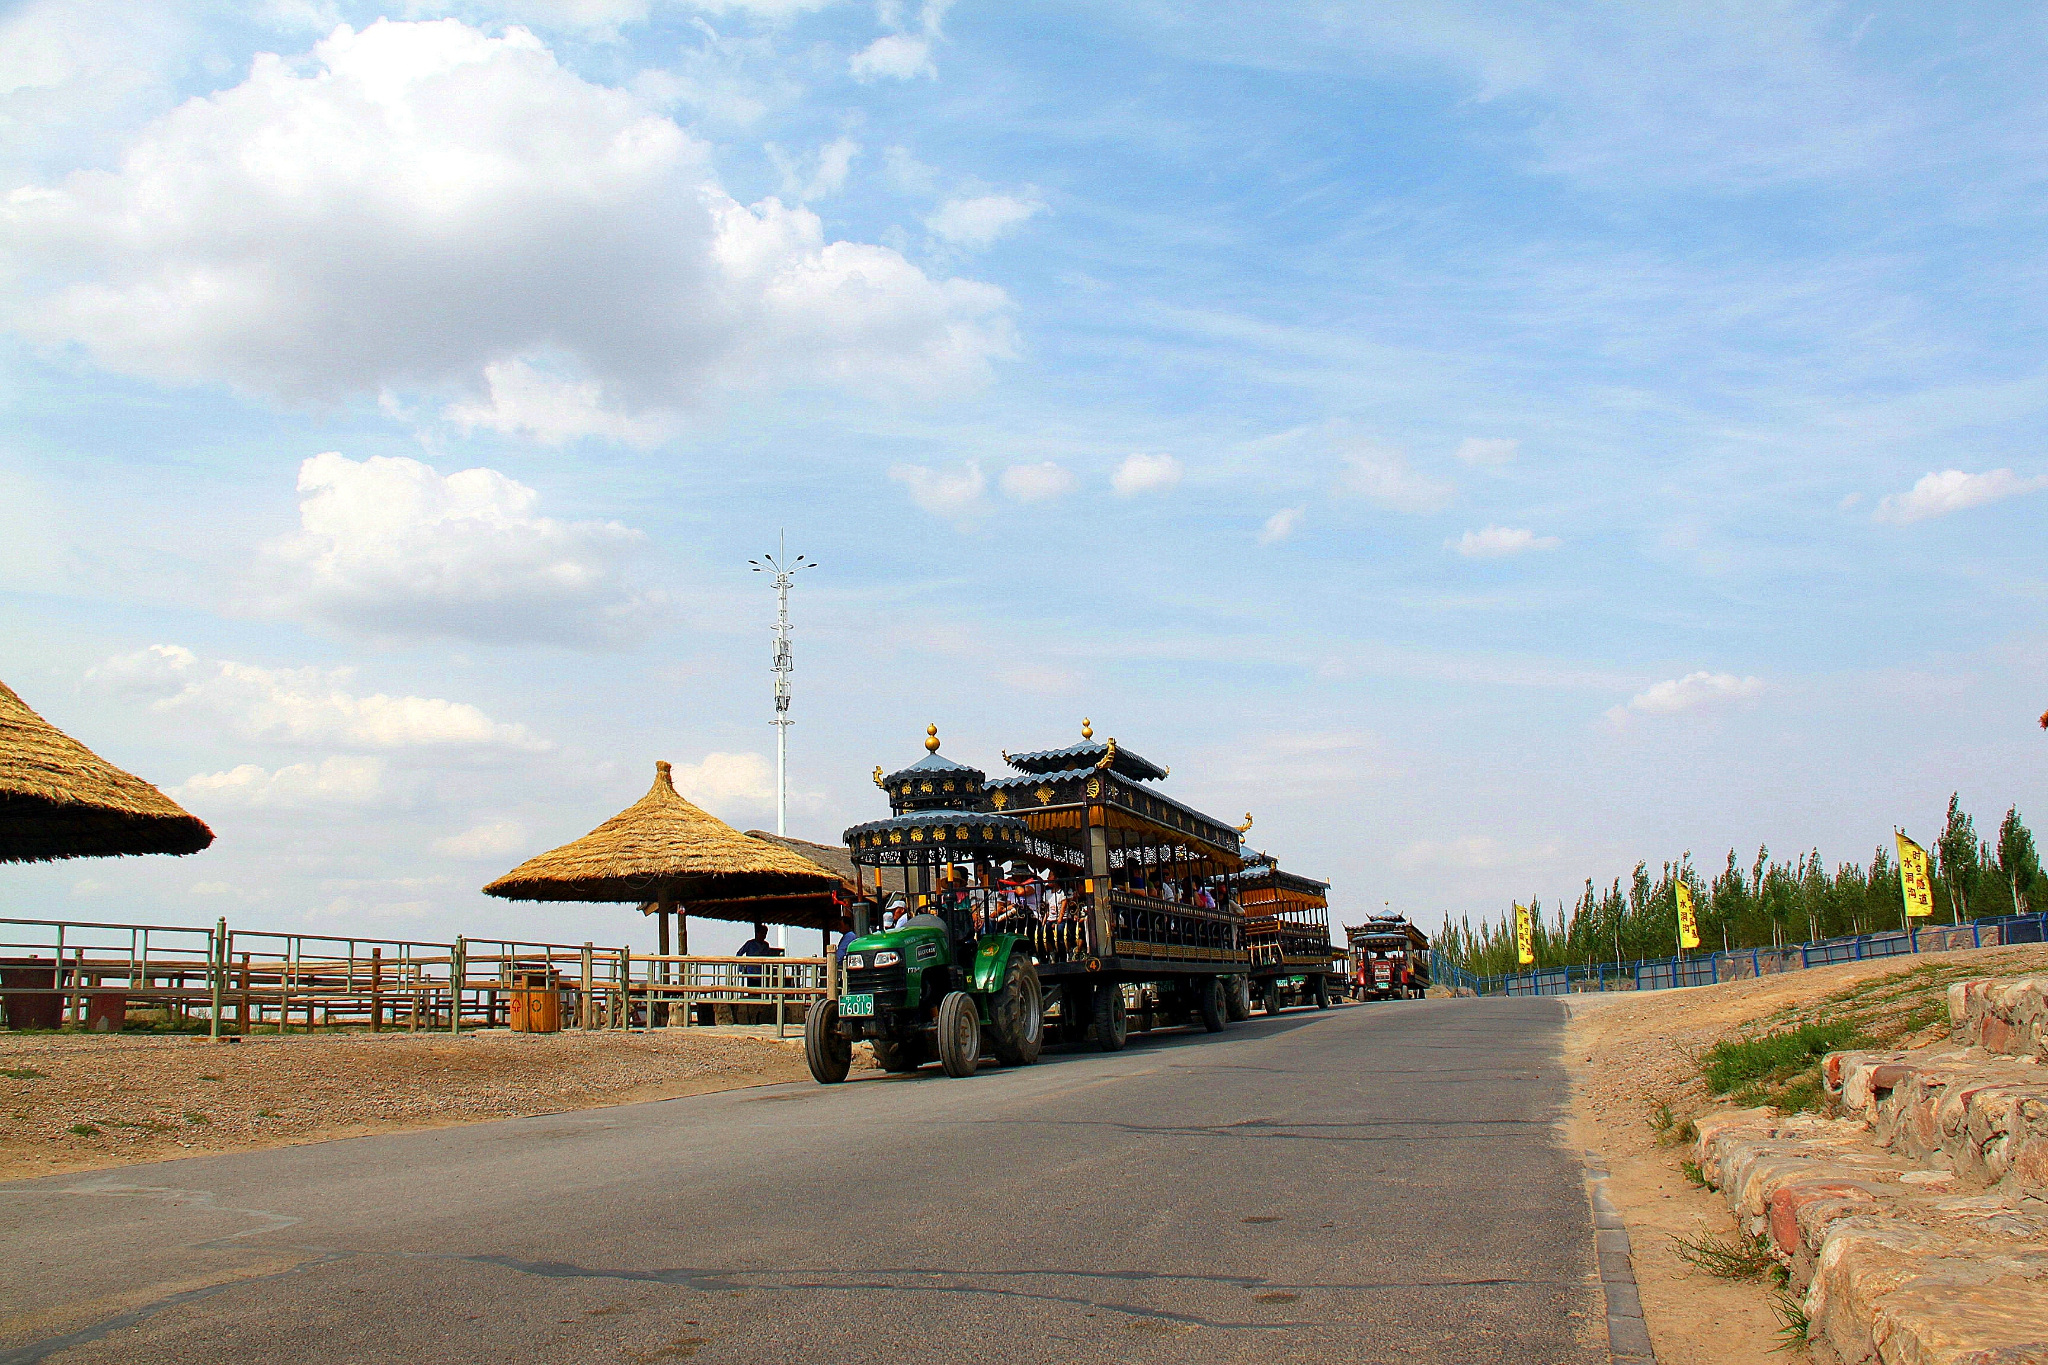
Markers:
419,202
1480,450
1384,475
391,547
493,839
828,172
301,705
905,54
338,781
727,781
1146,474
953,493
523,399
1693,692
1495,542
1037,482
1281,525
1937,495
894,56
978,222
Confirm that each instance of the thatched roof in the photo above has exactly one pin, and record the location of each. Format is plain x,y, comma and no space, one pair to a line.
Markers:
662,846
838,860
59,799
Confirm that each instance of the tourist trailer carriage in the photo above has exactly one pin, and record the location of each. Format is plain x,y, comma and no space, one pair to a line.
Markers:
1287,933
1071,887
1391,959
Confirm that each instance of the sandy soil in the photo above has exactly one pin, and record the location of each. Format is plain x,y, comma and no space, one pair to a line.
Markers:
1629,1053
151,1098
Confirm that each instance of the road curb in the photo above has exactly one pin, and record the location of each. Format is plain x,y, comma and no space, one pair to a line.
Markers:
1628,1338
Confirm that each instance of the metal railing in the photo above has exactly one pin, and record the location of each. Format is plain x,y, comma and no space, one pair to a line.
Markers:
1710,968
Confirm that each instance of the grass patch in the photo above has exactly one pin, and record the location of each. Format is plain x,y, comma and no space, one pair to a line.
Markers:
1696,1175
1747,1259
213,1078
268,1114
84,1130
194,1117
22,1073
1734,1065
1795,1330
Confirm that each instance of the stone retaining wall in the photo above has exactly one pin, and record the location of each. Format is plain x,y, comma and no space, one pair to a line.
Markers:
1914,1225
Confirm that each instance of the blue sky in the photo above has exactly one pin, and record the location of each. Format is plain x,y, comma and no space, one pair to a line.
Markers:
1490,444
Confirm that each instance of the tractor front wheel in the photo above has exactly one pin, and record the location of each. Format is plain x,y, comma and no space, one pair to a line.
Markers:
1112,1025
1210,1001
1016,1015
959,1034
825,1052
1322,992
1273,1005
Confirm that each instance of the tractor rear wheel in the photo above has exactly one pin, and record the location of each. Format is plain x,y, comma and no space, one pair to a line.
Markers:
1210,1001
826,1053
1016,1015
959,1034
1112,1025
899,1057
1237,999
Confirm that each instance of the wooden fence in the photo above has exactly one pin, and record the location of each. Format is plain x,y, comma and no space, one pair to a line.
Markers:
84,974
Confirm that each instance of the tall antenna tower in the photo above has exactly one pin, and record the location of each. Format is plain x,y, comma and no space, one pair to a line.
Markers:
784,570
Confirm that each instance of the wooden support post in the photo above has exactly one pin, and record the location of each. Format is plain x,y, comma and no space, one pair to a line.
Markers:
583,1002
376,990
625,1017
458,972
217,971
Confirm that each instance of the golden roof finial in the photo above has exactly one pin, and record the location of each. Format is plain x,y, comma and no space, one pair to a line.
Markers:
1087,728
931,739
1108,754
1246,826
878,778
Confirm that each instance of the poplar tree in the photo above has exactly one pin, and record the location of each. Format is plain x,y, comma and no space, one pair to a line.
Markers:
2017,859
1957,853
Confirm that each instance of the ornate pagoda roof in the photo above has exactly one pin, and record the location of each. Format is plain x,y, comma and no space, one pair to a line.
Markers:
934,782
1089,753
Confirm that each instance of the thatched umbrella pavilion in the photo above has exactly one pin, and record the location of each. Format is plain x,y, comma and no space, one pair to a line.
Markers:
668,855
59,799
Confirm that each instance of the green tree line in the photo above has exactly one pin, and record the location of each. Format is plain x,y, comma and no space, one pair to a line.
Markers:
1764,902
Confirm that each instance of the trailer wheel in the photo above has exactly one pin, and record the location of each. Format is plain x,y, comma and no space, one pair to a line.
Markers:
827,1054
1273,1005
959,1034
1237,999
899,1057
1322,992
1112,1026
1210,1002
1017,1015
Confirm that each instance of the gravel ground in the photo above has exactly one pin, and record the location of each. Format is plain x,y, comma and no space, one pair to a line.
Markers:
83,1102
1630,1053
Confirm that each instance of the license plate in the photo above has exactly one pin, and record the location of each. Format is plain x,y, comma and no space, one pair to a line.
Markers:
857,1006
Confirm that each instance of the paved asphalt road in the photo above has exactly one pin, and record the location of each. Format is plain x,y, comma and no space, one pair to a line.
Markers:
1379,1183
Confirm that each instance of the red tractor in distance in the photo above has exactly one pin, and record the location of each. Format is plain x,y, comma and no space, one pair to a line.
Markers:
1390,957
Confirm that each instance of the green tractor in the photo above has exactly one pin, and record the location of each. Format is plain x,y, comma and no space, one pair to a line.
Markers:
947,981
924,990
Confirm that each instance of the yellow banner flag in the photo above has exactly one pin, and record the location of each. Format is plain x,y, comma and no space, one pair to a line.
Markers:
1688,926
1525,936
1914,879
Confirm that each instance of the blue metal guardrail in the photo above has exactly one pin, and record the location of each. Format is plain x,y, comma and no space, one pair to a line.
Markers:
1707,969
1444,972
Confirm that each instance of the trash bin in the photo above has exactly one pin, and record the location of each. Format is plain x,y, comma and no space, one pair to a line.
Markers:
19,976
536,1002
